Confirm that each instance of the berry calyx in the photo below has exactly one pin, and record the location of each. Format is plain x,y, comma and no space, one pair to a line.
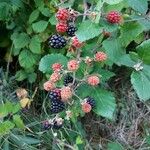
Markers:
86,107
62,14
66,93
71,30
100,56
48,86
61,27
55,77
68,80
113,17
76,43
56,67
57,41
73,65
93,80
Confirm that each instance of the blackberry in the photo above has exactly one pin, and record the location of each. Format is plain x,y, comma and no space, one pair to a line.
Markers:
57,41
71,30
54,95
68,79
56,104
90,101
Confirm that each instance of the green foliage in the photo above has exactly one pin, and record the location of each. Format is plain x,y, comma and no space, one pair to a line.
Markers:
105,102
88,30
47,61
144,52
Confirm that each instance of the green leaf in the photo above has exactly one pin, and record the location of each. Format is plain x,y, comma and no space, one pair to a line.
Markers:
143,51
141,84
115,146
27,59
32,77
21,40
105,74
126,61
114,52
34,15
113,1
88,30
47,61
134,28
21,75
139,5
18,121
105,101
35,45
5,127
40,26
4,10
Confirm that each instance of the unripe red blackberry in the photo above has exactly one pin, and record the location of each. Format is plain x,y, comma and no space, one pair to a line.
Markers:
113,17
62,14
61,27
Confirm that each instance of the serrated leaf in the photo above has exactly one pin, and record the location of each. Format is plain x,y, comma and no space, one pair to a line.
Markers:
88,30
143,51
32,77
141,84
21,75
5,127
48,60
35,45
24,102
134,28
105,74
126,61
4,10
34,15
114,52
18,121
27,59
112,2
105,101
40,26
139,5
21,40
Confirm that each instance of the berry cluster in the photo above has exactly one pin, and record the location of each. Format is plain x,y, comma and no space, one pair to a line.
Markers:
56,123
66,91
64,25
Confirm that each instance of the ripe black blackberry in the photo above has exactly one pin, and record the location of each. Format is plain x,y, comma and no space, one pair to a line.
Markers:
71,30
68,79
54,95
56,104
90,101
57,41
